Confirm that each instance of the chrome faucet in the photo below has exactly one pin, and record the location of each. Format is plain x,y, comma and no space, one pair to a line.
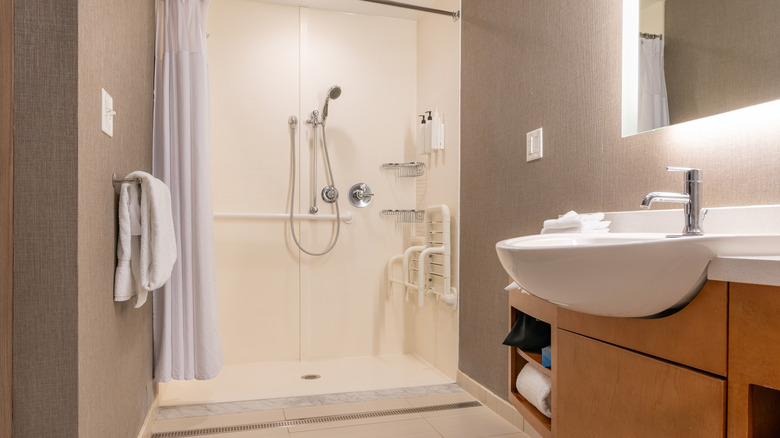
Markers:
691,200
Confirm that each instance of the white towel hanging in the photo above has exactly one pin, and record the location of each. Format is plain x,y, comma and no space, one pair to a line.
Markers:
146,245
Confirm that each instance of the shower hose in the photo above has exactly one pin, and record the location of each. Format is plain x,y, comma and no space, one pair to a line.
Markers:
292,191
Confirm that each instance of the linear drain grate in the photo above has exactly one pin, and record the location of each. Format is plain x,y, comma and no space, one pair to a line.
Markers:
314,420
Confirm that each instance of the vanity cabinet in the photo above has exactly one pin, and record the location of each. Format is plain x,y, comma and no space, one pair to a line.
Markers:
696,336
710,370
754,361
608,391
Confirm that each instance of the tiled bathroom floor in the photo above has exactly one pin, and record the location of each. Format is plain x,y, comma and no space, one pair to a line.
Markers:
457,422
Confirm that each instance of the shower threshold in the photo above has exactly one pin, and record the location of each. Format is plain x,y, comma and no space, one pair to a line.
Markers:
263,380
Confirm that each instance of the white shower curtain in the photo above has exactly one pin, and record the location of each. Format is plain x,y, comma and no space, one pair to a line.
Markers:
653,104
186,333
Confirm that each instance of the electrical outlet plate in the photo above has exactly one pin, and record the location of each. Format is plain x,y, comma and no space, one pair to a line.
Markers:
533,145
107,113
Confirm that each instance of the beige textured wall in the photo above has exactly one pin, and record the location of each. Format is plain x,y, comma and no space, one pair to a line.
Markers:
720,55
82,364
6,215
556,65
45,219
115,52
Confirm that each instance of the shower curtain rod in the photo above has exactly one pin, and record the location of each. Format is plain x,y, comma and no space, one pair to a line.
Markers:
650,36
455,15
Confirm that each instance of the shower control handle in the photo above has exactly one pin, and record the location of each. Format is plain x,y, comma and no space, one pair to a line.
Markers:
360,195
329,194
362,192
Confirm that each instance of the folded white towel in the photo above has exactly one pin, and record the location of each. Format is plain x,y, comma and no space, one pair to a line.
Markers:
573,222
129,238
534,386
584,230
152,248
512,286
573,219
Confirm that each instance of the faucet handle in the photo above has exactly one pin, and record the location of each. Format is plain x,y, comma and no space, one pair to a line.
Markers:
691,173
702,214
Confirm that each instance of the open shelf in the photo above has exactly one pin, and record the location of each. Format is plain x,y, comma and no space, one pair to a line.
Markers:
520,303
764,406
535,359
538,421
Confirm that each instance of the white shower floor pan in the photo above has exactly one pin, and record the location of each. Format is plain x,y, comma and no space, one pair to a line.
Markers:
262,380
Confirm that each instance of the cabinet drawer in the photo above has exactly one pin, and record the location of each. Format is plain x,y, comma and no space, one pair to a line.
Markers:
695,336
608,391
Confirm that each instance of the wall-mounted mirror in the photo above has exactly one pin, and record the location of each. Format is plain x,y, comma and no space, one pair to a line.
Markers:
684,60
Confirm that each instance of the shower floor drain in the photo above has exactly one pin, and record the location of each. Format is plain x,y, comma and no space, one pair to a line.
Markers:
314,420
310,376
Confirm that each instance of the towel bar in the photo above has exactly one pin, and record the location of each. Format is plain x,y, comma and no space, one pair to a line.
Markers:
115,180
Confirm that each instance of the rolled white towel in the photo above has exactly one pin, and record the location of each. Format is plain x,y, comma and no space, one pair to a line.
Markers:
534,386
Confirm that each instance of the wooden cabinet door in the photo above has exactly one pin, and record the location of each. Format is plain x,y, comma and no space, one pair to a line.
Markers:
608,391
754,361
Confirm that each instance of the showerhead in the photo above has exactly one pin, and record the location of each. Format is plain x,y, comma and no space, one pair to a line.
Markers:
333,93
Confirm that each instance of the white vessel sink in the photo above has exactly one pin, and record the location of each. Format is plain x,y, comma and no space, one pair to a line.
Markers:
622,274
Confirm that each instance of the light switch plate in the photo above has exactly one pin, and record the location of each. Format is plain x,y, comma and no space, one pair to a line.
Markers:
533,145
107,113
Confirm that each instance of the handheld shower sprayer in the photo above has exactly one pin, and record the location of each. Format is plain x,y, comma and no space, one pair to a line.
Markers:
329,193
333,93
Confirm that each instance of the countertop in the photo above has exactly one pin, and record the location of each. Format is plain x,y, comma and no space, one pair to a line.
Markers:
763,270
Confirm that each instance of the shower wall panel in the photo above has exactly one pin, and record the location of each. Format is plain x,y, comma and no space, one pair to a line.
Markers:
253,68
438,86
268,62
346,311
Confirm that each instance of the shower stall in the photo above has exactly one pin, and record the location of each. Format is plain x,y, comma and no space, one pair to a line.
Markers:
285,314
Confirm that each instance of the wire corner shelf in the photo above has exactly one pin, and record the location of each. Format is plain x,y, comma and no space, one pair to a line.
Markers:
406,170
406,216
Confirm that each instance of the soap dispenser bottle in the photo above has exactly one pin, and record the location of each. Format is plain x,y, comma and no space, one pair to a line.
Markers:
437,132
428,132
421,137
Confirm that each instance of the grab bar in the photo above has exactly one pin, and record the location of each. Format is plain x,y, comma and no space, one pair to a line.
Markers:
346,217
424,265
421,273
